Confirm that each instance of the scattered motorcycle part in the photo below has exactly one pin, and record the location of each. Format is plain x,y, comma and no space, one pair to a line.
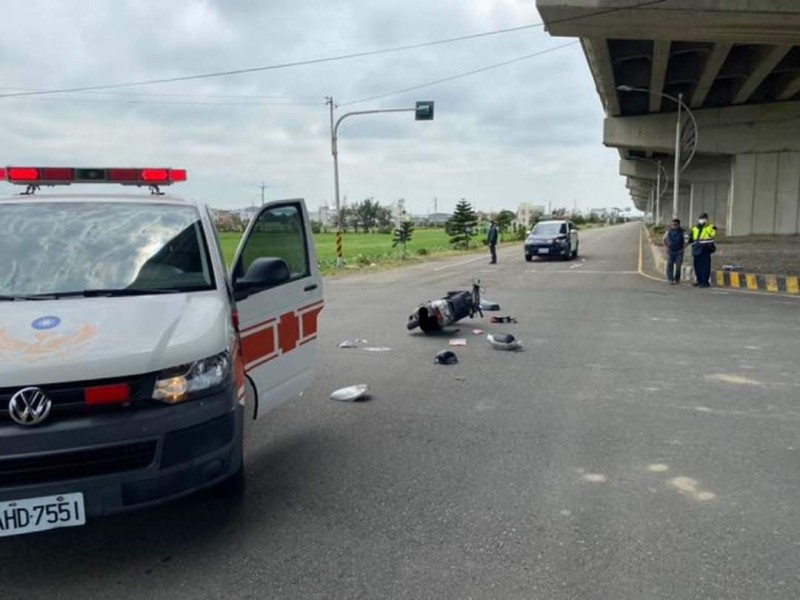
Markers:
350,393
504,341
445,357
503,320
489,305
458,342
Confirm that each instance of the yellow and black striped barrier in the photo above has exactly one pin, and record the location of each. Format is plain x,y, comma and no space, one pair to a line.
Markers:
739,280
339,245
777,284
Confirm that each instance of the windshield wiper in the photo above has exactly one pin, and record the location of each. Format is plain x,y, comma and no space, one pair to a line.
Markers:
27,297
101,293
121,292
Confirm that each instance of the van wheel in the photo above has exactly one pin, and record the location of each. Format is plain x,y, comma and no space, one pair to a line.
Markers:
575,253
568,254
528,257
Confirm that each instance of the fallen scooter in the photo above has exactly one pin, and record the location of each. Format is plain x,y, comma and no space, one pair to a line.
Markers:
435,315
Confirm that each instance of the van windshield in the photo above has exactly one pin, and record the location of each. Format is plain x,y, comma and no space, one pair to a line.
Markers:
101,248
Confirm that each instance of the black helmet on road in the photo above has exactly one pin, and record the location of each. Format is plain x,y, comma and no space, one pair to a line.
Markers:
445,357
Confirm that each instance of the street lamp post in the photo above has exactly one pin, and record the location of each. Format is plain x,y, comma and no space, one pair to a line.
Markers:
679,168
424,112
659,190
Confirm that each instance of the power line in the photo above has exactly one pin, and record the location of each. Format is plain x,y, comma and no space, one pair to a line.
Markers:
270,67
184,95
136,102
326,59
460,75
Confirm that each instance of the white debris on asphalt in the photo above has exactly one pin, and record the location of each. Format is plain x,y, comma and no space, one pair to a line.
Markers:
350,393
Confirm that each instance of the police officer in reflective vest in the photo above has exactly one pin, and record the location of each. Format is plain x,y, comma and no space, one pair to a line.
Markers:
703,235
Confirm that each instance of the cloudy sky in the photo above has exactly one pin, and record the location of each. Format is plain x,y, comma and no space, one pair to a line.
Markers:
526,132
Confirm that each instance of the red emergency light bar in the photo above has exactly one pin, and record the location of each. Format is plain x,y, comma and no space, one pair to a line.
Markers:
66,176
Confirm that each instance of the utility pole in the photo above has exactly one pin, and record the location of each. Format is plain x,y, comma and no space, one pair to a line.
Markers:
262,193
423,111
339,255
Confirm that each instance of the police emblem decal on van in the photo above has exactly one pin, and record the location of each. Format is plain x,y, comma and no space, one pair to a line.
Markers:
44,344
48,322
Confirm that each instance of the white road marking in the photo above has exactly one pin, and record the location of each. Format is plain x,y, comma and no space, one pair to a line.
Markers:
585,272
688,487
595,478
458,264
658,468
734,379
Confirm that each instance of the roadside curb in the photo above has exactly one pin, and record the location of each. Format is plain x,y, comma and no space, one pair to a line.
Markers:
739,280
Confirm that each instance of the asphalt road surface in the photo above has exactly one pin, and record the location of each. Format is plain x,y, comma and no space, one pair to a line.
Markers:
644,445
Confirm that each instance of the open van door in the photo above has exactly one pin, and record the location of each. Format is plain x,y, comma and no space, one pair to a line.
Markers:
278,292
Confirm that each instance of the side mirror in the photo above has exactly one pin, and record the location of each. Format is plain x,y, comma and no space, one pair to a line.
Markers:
263,274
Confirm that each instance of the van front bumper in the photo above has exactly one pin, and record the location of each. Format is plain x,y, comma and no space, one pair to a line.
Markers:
127,460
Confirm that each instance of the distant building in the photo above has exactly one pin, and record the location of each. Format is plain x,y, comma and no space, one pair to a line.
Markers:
431,220
528,214
326,215
438,219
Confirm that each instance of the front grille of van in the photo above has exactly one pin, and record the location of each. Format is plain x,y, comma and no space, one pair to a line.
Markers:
76,464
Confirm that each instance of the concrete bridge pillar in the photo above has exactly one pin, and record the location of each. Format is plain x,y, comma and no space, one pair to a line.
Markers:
765,194
711,197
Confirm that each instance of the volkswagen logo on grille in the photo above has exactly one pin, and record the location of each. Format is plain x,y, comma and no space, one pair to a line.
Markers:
29,406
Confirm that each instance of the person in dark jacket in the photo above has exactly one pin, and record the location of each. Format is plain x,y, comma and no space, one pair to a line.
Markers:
675,243
491,238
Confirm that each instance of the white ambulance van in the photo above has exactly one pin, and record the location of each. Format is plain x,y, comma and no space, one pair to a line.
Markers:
129,349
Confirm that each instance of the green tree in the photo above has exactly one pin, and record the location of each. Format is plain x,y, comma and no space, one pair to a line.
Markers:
504,220
346,219
462,226
402,235
383,218
366,214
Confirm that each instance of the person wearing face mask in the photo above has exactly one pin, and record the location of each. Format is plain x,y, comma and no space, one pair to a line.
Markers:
703,235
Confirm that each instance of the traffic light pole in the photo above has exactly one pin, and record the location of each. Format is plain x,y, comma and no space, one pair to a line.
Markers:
335,152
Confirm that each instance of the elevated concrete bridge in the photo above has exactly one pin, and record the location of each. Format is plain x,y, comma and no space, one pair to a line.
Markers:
737,65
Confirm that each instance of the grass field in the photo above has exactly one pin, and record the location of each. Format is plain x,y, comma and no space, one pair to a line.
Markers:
369,246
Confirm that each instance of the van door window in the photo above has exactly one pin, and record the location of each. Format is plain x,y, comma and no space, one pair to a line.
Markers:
278,233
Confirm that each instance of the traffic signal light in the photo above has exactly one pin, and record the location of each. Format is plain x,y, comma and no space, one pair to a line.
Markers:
424,111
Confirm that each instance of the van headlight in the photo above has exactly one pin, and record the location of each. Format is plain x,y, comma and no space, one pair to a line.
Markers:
180,383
